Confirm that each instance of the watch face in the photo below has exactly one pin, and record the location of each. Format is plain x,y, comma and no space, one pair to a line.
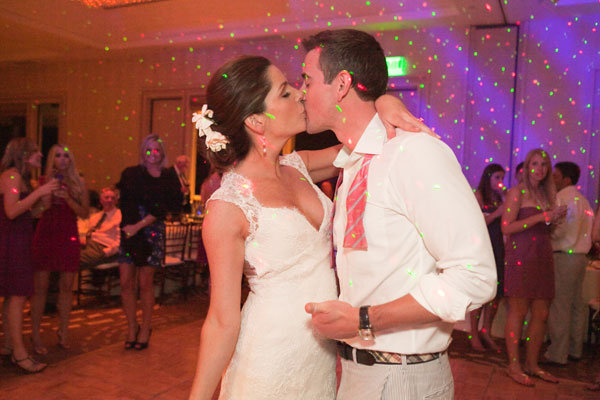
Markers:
366,334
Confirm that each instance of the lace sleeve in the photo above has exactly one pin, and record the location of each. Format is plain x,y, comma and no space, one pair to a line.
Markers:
237,190
294,160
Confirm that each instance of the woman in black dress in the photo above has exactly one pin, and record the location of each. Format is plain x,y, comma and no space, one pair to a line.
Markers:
149,191
490,196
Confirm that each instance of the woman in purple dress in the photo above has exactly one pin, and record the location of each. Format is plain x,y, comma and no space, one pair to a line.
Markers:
56,241
529,271
16,233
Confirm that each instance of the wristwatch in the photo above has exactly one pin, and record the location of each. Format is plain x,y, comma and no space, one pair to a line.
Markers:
365,330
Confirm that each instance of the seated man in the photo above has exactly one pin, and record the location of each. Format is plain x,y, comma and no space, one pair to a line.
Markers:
102,238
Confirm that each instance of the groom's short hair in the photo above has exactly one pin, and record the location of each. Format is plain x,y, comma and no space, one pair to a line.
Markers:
356,52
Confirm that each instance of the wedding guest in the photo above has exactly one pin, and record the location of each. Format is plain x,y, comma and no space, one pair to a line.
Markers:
519,172
149,192
56,242
529,270
571,241
209,186
595,252
19,203
490,196
101,240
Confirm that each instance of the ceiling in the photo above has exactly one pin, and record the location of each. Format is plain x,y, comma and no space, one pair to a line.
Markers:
35,30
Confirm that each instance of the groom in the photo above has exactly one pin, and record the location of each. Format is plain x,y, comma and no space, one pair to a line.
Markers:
413,251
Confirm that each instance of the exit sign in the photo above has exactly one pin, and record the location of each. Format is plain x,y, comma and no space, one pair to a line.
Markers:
396,66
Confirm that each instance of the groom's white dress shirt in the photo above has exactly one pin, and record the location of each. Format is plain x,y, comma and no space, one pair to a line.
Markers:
426,236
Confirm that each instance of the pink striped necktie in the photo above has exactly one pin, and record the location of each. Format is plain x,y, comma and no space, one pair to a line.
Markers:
356,200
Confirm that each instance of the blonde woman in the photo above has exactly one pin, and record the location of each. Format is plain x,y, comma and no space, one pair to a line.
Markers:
56,241
529,270
16,233
149,191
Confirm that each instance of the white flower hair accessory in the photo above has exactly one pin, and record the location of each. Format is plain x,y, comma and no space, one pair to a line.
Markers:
215,141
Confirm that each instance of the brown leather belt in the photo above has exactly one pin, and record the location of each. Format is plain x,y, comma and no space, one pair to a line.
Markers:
370,357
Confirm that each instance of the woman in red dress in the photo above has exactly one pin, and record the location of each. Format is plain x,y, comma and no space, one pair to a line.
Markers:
56,241
16,232
529,270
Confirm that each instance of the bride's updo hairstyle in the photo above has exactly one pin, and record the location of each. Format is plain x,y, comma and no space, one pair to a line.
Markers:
237,90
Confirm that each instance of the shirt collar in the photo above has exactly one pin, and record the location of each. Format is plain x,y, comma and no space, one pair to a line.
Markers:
371,142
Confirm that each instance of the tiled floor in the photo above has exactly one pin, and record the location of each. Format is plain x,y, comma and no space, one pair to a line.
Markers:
98,368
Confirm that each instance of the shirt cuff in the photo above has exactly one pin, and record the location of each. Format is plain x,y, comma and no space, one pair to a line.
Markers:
437,297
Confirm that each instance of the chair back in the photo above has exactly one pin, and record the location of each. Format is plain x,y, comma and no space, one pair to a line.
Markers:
175,241
193,242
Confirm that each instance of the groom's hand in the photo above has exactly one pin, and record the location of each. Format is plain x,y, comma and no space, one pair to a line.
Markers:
334,319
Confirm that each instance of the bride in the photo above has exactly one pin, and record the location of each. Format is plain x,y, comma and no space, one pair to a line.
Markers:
271,223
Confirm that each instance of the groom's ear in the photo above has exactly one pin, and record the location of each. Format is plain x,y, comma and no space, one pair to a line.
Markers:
342,83
256,123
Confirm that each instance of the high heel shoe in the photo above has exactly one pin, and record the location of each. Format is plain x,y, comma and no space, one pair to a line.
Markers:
142,346
130,344
33,368
62,341
38,348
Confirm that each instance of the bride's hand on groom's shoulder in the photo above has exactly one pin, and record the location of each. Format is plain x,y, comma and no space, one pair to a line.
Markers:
334,319
394,114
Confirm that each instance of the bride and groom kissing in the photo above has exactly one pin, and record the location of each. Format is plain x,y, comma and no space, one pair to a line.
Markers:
412,249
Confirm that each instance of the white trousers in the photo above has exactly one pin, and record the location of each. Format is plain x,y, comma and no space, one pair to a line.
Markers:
430,380
568,310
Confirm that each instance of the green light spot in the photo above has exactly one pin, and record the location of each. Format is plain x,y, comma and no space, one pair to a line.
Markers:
270,115
397,66
338,108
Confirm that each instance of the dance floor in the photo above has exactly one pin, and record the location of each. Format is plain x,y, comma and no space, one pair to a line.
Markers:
97,367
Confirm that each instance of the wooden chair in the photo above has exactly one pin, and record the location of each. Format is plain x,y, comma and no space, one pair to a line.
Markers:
173,265
98,280
195,256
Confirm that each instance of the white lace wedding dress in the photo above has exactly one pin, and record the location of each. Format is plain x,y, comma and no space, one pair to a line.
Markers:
278,356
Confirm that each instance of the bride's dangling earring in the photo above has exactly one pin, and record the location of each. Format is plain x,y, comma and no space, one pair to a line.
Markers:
264,144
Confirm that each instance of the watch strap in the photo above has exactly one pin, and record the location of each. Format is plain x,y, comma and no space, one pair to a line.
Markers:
364,321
